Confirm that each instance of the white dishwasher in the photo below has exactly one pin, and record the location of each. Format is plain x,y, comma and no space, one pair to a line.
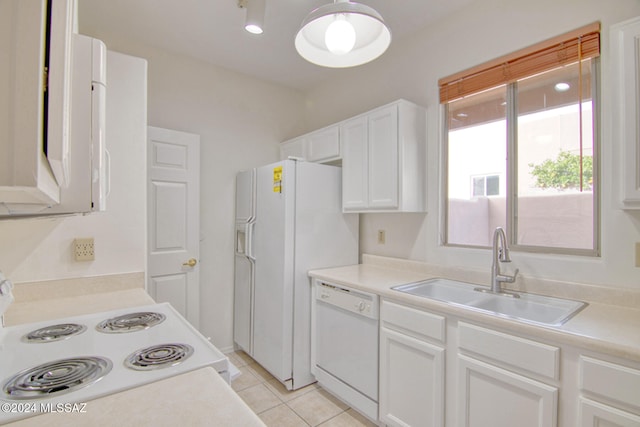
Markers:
344,345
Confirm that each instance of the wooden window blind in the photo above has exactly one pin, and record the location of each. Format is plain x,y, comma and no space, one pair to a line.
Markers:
568,48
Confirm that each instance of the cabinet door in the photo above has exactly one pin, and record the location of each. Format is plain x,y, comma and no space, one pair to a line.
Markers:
383,158
354,135
625,57
411,381
593,414
324,145
25,176
293,148
490,396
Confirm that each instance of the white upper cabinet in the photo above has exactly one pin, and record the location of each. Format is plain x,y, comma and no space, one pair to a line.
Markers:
294,148
35,70
320,146
323,145
383,160
383,154
625,63
354,134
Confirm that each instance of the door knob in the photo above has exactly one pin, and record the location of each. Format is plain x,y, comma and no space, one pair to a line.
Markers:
191,263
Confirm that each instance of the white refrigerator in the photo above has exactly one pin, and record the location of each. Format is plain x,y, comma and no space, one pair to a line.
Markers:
289,220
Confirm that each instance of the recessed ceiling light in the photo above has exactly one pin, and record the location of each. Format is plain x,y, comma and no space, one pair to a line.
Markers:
562,87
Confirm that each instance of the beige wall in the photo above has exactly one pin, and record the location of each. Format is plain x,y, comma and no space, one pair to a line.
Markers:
410,69
41,248
241,121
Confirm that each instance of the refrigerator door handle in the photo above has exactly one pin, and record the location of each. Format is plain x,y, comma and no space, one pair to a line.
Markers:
241,240
249,241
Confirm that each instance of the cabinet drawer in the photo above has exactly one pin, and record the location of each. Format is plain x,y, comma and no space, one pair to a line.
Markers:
519,353
610,381
417,323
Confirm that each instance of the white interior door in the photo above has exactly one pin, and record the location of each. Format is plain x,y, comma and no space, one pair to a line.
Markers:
174,220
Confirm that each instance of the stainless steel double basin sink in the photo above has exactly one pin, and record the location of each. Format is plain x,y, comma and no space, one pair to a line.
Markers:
537,309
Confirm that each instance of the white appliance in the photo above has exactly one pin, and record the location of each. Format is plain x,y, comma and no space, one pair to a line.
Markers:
125,356
52,143
344,349
289,220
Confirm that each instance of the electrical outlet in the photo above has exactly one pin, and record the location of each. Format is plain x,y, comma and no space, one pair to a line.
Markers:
83,249
381,237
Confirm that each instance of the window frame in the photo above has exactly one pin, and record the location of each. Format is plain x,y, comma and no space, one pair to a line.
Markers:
484,184
511,176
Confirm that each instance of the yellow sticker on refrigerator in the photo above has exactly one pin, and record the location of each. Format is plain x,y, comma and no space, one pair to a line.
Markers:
277,179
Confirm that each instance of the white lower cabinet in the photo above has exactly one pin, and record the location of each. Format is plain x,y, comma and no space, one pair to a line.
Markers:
505,380
491,396
439,370
412,370
594,414
609,394
411,381
490,378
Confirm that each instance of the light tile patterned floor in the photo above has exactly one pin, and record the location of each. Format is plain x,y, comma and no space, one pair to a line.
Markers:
277,406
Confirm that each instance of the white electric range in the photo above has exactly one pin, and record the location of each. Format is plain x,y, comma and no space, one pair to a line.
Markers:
64,363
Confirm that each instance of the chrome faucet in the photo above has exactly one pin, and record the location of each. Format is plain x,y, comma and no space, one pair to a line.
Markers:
500,254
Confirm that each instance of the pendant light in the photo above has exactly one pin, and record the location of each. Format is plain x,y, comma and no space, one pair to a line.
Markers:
342,34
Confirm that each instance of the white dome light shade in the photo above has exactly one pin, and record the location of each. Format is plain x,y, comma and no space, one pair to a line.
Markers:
340,36
372,35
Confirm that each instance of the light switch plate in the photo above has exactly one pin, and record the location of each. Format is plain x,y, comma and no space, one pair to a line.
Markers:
84,249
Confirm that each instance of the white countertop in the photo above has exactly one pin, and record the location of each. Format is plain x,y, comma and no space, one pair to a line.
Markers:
50,309
610,329
197,398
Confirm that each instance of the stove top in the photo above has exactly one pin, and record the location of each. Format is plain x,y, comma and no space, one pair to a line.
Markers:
81,358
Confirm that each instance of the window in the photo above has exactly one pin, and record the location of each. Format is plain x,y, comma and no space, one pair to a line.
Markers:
486,186
521,148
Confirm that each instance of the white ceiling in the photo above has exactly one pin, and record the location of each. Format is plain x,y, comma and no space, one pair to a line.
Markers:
212,31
